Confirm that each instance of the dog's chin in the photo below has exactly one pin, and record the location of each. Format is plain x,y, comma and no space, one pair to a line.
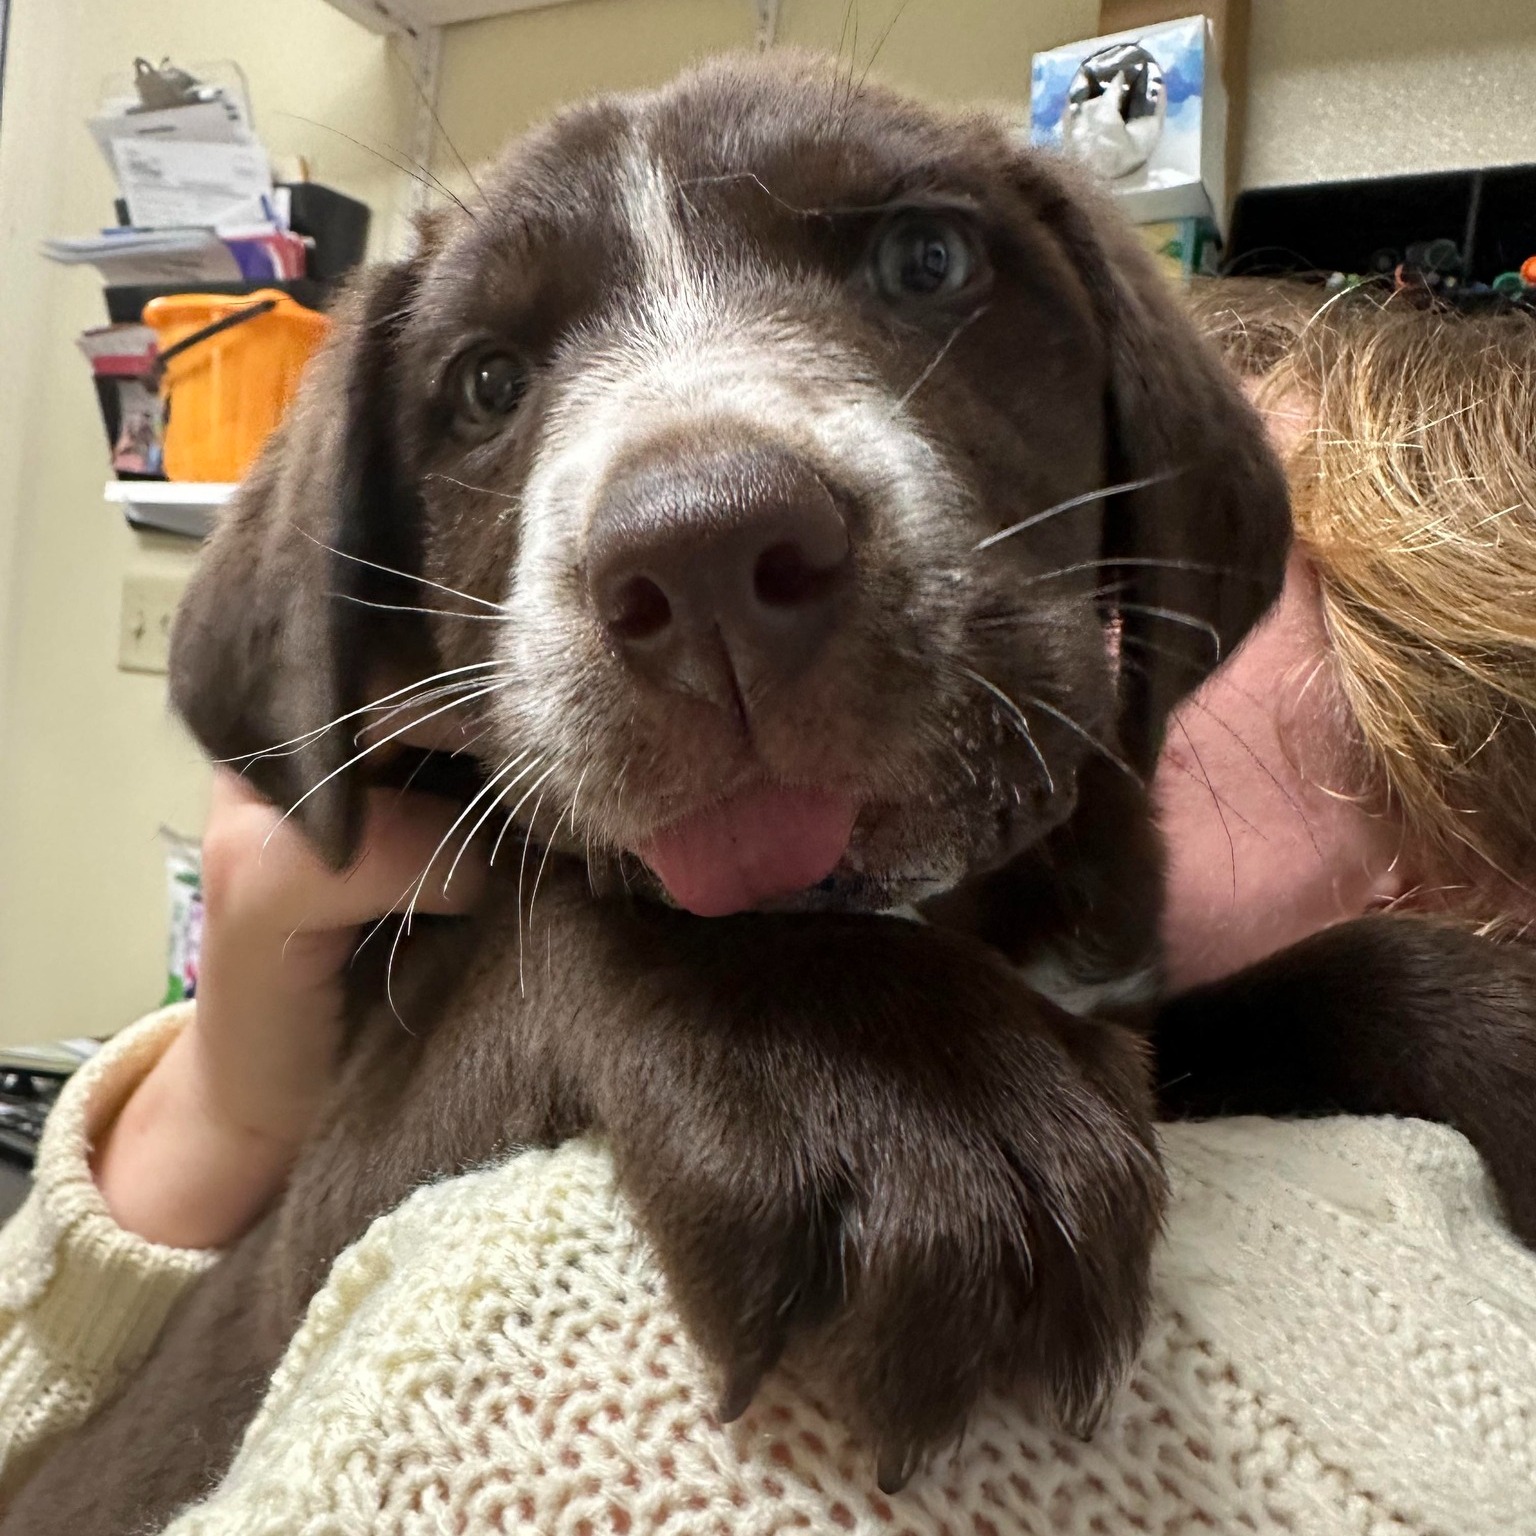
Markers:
850,890
875,857
901,856
759,843
846,889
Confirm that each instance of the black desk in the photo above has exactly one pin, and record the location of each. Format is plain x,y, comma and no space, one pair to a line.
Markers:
15,1181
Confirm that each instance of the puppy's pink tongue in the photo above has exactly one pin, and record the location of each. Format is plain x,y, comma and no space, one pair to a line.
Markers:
767,843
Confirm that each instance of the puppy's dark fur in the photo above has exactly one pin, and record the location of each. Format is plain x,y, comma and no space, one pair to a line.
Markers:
827,1120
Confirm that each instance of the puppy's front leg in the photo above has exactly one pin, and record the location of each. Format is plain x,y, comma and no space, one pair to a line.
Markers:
1386,1015
874,1130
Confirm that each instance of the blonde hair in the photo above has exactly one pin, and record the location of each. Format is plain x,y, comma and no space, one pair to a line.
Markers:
1414,494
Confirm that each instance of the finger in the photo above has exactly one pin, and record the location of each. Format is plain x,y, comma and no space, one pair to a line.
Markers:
258,863
416,851
256,860
233,790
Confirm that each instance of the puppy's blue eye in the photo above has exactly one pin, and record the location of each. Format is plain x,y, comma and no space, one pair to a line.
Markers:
922,256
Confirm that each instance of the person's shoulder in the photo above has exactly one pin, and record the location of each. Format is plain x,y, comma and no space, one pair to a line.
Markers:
510,1223
504,1340
1408,1180
573,1180
1346,1234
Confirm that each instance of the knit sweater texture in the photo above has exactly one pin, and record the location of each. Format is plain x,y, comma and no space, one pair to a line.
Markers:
1344,1342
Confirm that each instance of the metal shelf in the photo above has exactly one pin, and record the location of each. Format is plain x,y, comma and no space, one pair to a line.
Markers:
419,24
415,16
170,506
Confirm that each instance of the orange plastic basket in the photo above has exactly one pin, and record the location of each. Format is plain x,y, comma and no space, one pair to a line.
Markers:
228,374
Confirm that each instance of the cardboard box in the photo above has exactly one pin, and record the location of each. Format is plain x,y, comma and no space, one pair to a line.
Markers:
122,359
1147,111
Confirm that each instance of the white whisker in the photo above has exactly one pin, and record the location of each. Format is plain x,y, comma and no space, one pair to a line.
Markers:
575,798
507,825
1018,715
492,788
549,848
522,869
1087,735
486,815
389,570
373,747
297,743
469,741
1140,561
446,691
1086,499
482,490
1175,617
419,884
444,613
937,358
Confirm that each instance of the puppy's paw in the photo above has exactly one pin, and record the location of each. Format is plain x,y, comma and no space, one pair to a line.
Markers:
945,1189
1010,1254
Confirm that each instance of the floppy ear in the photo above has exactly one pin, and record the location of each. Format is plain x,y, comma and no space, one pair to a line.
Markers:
1198,553
270,644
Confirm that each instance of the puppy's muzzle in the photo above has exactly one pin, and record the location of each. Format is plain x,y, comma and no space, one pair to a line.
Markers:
718,572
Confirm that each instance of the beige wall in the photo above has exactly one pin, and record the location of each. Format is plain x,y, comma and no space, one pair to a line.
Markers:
90,763
502,74
1337,87
1346,88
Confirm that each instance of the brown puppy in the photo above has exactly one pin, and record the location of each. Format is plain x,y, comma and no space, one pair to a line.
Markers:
779,474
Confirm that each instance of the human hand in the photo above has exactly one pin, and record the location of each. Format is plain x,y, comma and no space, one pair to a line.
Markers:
207,1139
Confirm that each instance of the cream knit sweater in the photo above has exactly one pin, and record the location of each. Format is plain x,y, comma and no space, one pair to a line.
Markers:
1345,1341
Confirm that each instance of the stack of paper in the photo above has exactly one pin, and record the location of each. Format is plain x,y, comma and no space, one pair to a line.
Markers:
150,255
198,164
198,188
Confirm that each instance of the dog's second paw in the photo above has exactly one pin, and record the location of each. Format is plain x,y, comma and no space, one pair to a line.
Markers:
946,1187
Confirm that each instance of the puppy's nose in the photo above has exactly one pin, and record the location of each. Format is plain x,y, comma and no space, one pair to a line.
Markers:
716,572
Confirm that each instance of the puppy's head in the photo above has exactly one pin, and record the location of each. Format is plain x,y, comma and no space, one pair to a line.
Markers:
791,486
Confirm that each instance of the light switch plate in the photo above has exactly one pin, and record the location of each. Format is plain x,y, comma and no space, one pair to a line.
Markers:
149,605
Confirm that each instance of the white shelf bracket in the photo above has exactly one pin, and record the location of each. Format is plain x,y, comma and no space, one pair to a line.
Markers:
425,55
767,24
